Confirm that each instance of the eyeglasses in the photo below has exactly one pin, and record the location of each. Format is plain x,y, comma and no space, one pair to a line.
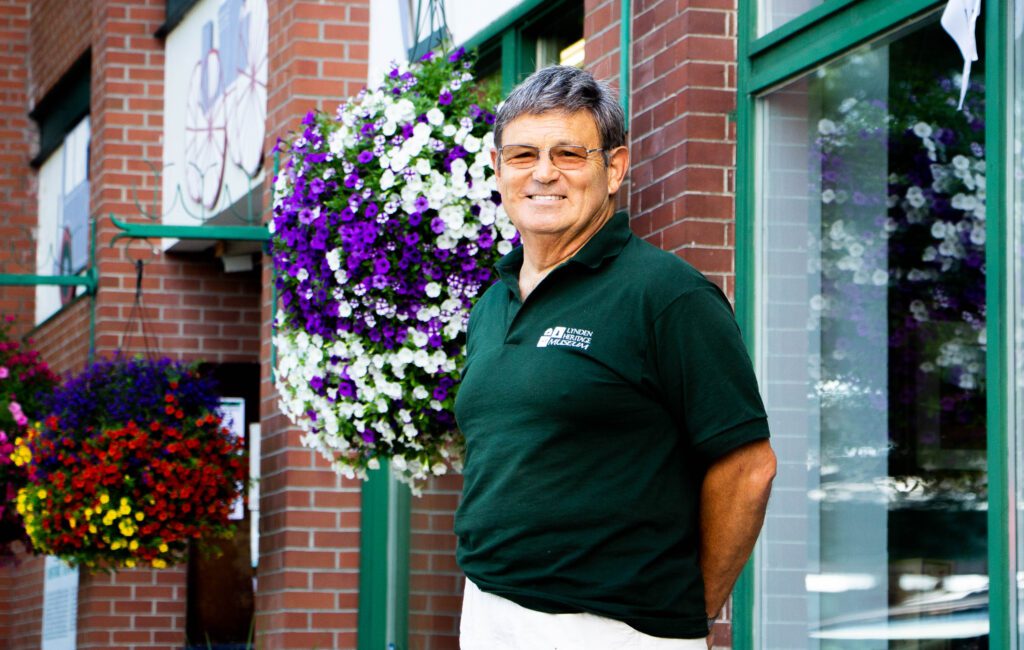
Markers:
563,156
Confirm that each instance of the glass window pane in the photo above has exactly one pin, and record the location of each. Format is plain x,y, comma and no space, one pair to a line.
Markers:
775,13
872,339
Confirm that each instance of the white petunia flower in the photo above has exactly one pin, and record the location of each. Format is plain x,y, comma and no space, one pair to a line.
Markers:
471,144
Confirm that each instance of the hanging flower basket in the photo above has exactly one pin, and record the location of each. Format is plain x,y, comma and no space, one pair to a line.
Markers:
131,465
24,381
386,223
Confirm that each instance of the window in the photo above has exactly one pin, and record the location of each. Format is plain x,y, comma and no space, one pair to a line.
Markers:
63,232
551,33
871,330
775,13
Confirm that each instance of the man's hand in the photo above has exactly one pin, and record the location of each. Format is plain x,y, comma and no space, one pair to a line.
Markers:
733,500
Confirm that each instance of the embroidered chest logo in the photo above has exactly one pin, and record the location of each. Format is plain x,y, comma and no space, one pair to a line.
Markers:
566,337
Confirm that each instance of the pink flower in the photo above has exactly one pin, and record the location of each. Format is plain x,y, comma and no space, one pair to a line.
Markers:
4,372
19,417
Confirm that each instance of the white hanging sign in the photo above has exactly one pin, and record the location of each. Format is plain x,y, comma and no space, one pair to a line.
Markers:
959,19
60,605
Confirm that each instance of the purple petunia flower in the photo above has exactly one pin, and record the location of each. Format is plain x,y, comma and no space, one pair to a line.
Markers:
421,203
445,98
437,225
372,210
365,156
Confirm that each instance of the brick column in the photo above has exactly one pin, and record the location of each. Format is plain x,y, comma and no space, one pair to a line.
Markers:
684,150
308,572
17,197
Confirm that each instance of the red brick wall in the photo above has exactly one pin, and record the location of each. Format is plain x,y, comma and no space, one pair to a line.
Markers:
59,36
22,605
64,342
17,190
193,310
683,142
309,518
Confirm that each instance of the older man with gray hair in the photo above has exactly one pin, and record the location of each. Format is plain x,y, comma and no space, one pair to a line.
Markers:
617,458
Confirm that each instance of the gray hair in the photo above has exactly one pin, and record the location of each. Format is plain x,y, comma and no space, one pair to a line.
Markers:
565,89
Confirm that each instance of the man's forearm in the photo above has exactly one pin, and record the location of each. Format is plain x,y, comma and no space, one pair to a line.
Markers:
734,497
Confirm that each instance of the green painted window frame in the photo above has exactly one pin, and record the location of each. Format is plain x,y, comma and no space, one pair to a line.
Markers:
784,54
505,44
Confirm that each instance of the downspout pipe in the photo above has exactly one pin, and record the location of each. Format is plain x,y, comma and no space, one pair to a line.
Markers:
625,47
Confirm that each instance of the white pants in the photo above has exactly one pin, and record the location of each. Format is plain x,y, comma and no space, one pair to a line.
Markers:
490,622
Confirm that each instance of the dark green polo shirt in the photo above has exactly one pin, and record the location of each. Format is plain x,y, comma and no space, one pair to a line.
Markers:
591,413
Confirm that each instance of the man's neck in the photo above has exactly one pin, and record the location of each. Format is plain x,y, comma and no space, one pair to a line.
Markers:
542,254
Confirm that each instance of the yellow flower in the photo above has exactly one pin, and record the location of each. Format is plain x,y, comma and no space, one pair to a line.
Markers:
92,529
104,499
116,545
71,520
41,494
139,516
159,564
21,454
163,548
129,563
133,545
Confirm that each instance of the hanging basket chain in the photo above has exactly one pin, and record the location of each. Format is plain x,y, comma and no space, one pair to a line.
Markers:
137,313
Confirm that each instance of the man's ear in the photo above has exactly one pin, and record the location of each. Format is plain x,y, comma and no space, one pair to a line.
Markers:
495,164
618,164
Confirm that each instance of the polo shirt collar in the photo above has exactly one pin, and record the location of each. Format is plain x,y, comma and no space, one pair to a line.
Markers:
606,243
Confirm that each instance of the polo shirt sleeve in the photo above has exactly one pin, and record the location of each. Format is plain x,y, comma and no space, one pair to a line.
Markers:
703,373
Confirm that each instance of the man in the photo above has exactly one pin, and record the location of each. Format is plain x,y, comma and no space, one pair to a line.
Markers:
617,461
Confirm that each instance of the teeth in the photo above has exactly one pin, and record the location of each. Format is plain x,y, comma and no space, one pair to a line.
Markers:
540,197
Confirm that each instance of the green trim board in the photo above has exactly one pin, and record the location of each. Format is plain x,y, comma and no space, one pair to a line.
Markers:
788,29
373,563
844,28
743,596
383,563
156,231
1002,577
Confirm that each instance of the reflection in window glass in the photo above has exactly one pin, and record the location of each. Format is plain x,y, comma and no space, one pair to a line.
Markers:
872,339
775,13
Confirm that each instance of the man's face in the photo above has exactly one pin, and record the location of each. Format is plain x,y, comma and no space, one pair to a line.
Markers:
545,200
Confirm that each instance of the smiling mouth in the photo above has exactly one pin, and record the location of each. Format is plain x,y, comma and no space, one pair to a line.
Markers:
548,198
